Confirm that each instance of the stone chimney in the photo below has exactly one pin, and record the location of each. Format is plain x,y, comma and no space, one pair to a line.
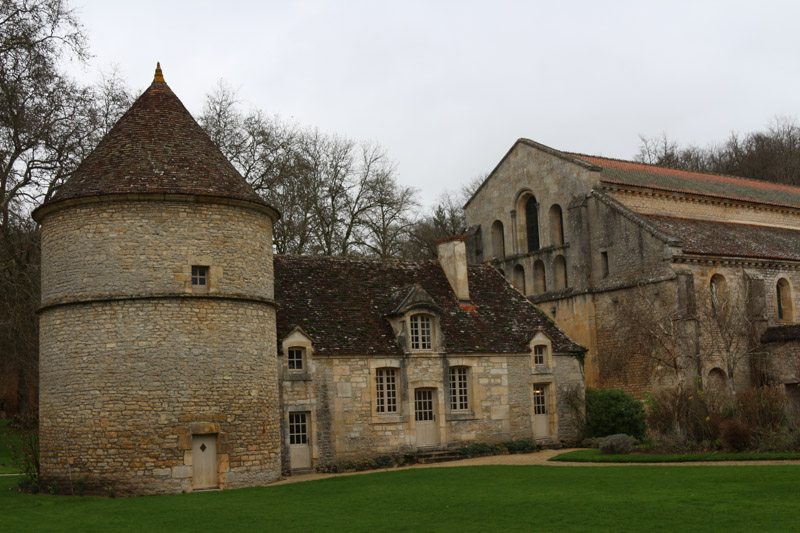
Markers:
452,254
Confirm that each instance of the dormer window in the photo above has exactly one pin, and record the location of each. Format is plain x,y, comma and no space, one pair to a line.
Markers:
294,358
539,353
199,278
420,332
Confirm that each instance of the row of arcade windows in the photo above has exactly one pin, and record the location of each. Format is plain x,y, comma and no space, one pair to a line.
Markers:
528,227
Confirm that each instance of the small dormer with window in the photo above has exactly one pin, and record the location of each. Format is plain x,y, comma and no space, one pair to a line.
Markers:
415,321
541,353
297,350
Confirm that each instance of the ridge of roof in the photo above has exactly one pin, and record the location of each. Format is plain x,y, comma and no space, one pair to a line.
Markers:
633,173
156,147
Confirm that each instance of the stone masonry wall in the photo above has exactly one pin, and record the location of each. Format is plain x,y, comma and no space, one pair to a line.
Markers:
346,426
133,363
124,385
148,247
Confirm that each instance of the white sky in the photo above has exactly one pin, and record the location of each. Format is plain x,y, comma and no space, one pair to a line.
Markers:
447,87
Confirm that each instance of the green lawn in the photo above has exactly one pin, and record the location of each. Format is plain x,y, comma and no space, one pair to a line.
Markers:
486,499
6,438
594,456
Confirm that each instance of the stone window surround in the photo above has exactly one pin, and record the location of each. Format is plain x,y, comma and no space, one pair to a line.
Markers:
435,332
540,339
213,274
472,384
296,339
386,418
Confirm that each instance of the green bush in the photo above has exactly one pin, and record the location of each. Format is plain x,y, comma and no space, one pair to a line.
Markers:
384,461
611,411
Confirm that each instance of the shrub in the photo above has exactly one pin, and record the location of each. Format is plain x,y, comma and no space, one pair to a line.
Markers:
685,415
734,435
520,446
780,440
617,444
762,409
384,461
611,411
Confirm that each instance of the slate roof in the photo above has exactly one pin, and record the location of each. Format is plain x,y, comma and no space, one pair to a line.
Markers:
703,237
781,333
615,171
342,304
156,147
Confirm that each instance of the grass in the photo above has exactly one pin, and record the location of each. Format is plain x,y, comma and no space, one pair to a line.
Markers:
594,456
7,437
487,498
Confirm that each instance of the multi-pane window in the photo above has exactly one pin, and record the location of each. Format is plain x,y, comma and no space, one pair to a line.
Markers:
298,428
539,352
199,276
295,358
386,390
539,400
420,332
459,391
423,405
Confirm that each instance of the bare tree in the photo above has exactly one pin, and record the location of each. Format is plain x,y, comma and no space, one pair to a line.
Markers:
728,328
658,332
387,224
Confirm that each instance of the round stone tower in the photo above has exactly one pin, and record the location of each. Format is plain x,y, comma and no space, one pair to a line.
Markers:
158,359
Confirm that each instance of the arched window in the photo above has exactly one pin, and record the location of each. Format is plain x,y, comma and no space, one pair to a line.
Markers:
716,381
718,289
560,265
532,223
519,278
556,225
783,294
498,240
539,280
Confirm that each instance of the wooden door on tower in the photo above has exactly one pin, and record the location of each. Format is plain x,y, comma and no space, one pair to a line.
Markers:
204,462
425,417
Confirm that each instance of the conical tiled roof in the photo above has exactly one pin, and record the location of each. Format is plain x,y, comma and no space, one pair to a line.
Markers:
156,148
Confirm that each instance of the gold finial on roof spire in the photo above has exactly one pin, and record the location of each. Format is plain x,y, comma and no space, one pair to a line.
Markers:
159,75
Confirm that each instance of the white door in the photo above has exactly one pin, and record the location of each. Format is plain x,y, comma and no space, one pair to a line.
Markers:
541,418
427,432
299,443
204,461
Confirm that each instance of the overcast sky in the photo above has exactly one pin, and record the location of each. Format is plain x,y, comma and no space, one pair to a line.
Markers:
447,87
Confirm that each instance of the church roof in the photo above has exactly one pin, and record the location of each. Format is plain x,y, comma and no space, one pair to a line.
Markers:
342,303
704,237
619,172
156,147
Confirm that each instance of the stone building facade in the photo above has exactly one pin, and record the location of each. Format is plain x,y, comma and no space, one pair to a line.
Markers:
158,350
664,275
161,366
387,357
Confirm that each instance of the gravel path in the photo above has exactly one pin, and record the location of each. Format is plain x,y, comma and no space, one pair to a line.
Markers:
538,458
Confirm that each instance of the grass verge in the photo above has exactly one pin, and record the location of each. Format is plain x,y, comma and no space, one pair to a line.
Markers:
484,498
594,456
7,437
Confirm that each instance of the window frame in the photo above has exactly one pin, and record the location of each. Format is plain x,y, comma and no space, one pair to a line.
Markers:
291,362
417,334
387,401
459,389
199,278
